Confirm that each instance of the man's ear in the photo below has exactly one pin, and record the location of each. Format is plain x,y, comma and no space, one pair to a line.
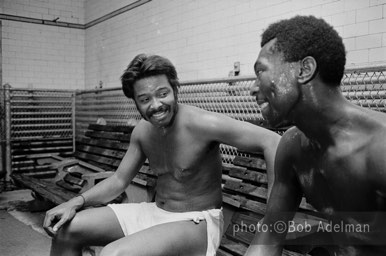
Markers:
307,71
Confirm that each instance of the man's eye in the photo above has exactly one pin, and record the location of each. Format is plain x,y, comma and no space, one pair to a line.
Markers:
163,94
144,100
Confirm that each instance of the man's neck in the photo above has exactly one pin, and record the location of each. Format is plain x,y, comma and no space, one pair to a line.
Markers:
322,114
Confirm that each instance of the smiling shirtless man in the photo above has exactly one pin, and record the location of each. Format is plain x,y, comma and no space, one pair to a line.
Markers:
335,155
181,143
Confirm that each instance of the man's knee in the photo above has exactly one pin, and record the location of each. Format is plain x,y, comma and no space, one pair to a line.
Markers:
69,233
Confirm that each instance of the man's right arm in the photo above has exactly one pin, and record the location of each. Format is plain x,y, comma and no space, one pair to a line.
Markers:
105,190
283,203
113,186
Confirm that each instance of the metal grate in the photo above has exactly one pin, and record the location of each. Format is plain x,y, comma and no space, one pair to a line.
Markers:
41,122
366,87
2,139
47,115
229,96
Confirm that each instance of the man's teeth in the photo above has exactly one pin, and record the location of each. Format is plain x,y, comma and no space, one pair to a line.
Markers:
159,113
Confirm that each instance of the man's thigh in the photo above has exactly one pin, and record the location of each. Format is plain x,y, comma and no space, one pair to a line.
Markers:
94,226
174,238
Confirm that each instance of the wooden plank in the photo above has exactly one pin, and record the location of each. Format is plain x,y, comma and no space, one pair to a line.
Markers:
27,151
101,151
220,252
248,175
259,192
42,143
144,180
246,188
244,203
246,218
105,167
259,154
102,143
46,188
145,169
41,174
238,234
40,139
29,167
250,162
98,159
236,248
229,199
109,136
111,128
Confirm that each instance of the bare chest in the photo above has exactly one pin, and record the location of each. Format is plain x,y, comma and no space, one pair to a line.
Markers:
335,180
180,155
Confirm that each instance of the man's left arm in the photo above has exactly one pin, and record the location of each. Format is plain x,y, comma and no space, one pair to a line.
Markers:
377,170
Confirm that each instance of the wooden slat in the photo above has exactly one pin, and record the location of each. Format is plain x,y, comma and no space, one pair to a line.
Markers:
220,252
248,175
46,188
246,189
99,159
103,143
146,170
109,136
244,203
250,162
246,218
236,248
111,128
42,143
144,180
240,236
28,151
105,167
41,139
259,154
101,151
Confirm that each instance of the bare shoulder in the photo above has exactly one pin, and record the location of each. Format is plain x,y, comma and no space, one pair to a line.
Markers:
195,112
140,130
376,147
376,128
293,138
291,146
198,117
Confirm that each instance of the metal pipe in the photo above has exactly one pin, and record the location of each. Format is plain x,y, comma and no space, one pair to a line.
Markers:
8,157
73,105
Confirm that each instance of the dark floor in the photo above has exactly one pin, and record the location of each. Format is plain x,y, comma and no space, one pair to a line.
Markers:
21,232
21,226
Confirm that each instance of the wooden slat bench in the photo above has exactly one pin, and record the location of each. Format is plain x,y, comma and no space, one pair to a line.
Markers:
245,198
98,154
100,150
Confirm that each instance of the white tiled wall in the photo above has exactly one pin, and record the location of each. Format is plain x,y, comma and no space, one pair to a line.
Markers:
202,37
95,9
41,56
67,10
